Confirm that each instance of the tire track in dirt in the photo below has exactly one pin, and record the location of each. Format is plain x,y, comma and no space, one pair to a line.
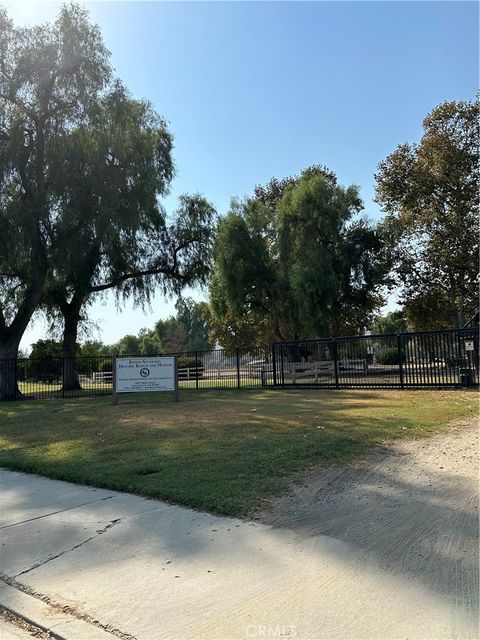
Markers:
410,509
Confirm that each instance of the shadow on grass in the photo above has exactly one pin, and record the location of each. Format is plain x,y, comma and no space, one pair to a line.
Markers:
219,452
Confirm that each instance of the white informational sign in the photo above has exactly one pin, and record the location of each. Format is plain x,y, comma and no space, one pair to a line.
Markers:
469,345
144,374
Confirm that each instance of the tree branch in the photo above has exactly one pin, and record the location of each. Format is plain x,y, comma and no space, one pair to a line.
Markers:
20,105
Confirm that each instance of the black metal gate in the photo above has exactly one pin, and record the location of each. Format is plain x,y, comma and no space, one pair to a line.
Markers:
435,359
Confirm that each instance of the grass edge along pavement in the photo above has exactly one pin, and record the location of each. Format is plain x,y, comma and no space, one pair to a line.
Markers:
218,451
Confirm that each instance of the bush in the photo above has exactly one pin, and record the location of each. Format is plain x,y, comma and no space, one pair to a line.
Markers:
22,370
453,361
106,365
194,366
184,362
388,355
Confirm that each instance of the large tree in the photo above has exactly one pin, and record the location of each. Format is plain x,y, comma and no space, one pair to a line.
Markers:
187,330
430,193
147,343
116,168
194,317
101,226
392,322
297,262
49,78
108,224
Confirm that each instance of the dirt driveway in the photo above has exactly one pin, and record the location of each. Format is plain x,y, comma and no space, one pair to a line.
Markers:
410,510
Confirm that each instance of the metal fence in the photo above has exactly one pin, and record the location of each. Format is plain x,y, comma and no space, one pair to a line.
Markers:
433,359
85,376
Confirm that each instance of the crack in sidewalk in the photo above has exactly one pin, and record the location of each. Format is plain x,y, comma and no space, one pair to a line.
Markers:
99,532
24,625
66,609
53,513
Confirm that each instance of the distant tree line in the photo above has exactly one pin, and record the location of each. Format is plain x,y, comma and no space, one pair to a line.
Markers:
187,330
84,168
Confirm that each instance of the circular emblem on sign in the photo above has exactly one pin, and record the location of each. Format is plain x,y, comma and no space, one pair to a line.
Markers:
144,372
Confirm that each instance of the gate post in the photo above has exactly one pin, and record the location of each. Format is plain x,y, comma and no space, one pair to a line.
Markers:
281,362
114,381
196,370
238,368
400,364
176,393
274,365
335,361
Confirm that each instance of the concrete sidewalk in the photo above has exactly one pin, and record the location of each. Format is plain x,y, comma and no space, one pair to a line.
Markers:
89,563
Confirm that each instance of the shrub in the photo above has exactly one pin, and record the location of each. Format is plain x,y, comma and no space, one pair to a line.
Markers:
106,365
188,361
453,361
388,355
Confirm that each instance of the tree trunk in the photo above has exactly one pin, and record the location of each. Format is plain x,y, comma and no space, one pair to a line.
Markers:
10,337
71,316
8,369
276,330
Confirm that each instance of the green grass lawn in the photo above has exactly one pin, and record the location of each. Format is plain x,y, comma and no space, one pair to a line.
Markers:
220,451
54,389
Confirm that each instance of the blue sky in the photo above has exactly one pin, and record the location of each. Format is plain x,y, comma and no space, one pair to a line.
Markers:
254,90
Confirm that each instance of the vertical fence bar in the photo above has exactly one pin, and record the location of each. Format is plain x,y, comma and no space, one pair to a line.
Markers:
415,360
421,358
114,382
440,353
404,341
196,370
446,372
432,371
475,355
274,364
410,365
335,361
176,393
431,360
460,359
425,361
238,367
400,358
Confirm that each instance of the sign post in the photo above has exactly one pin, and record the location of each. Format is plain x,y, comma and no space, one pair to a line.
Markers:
141,374
176,396
114,381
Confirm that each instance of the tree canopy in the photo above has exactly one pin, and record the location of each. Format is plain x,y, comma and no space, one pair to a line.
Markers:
430,193
49,78
392,322
83,167
297,264
188,330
